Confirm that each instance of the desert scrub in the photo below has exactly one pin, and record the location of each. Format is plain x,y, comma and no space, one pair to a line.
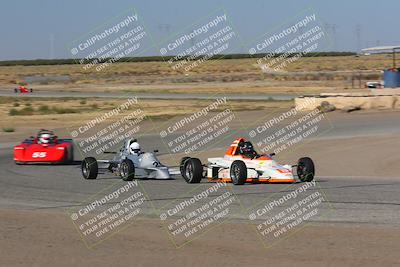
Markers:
24,111
63,110
8,129
44,109
13,112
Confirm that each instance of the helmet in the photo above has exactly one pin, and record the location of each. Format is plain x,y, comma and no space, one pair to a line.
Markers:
134,148
247,148
45,138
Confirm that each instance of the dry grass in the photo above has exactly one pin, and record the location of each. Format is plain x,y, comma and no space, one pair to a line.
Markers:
155,110
235,73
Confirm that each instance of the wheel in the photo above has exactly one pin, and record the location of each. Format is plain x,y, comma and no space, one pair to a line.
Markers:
112,167
305,169
238,172
71,154
89,167
192,171
69,157
182,164
127,170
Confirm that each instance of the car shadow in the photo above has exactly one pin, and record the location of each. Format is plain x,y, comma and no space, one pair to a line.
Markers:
73,163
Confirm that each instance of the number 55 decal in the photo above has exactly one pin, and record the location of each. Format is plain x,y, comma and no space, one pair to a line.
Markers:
39,154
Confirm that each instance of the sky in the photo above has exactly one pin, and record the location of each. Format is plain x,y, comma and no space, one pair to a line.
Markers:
33,29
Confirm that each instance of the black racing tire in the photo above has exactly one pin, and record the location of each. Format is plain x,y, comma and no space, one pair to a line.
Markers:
71,153
238,172
69,157
182,165
127,170
192,171
90,168
305,169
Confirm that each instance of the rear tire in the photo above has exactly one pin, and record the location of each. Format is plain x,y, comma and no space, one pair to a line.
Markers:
71,158
127,170
70,155
238,172
192,170
90,168
305,169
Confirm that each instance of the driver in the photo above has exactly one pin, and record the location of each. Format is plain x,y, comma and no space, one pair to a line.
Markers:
134,148
246,149
45,137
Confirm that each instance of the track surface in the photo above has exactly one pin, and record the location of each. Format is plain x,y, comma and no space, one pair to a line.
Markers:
351,198
151,95
357,171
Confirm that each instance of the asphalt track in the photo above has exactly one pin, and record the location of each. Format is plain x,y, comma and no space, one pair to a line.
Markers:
349,199
149,95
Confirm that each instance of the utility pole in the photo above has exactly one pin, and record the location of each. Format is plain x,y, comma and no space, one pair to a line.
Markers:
51,54
358,36
331,30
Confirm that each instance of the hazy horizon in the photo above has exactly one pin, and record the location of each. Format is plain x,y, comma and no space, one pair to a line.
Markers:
45,29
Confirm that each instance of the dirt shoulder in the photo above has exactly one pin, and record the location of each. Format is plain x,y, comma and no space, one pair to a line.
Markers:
49,239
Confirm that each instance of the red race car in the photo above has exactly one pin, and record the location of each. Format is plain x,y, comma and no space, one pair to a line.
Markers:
46,148
23,90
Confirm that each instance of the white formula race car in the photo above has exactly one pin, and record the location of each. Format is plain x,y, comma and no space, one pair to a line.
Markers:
242,164
129,163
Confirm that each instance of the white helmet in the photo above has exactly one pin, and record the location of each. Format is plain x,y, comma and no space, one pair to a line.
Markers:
45,138
134,148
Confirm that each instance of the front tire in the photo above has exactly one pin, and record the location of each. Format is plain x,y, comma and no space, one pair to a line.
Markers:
127,170
305,169
90,168
238,172
182,165
192,170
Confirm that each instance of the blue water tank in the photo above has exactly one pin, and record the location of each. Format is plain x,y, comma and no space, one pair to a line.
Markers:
391,78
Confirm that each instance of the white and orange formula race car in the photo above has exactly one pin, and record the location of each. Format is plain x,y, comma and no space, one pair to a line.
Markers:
242,164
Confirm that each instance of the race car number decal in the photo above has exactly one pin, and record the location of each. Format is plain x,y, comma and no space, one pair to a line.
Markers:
156,164
39,154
